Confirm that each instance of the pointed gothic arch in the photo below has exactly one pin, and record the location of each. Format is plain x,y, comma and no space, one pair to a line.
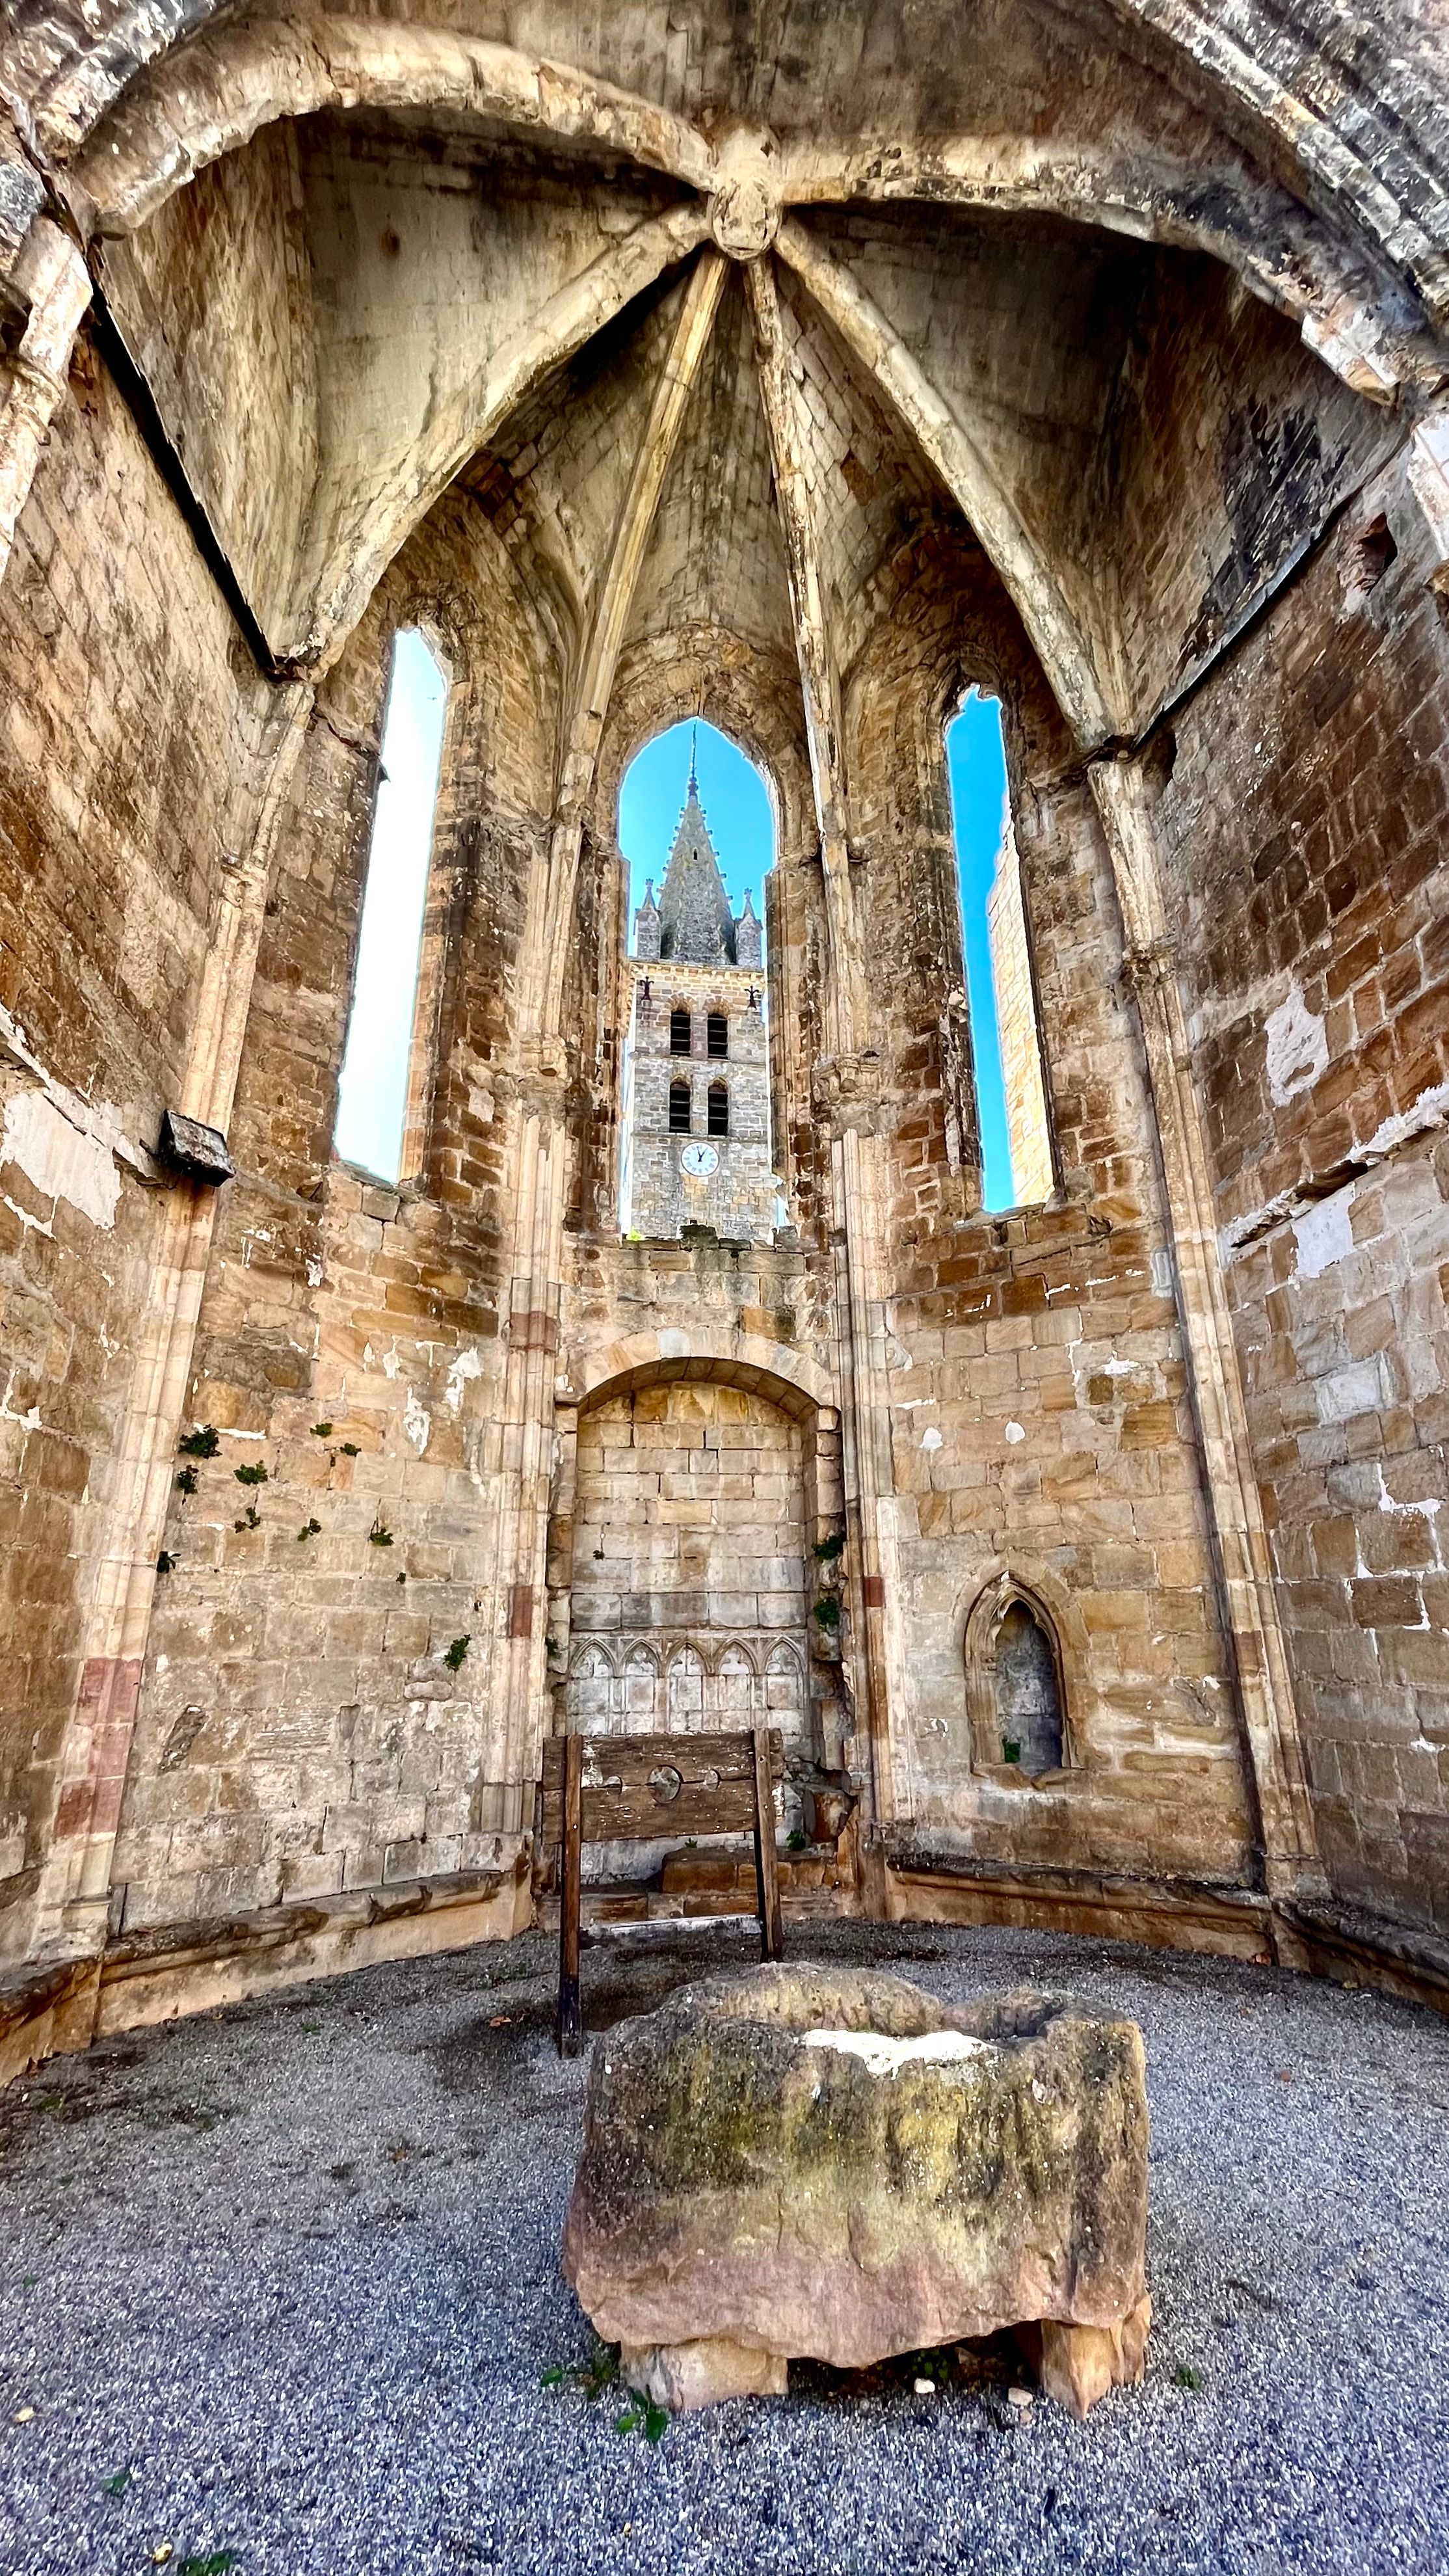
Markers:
1020,1677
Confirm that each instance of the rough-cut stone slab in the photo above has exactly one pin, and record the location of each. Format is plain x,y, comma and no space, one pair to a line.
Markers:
684,2376
807,2161
1080,2363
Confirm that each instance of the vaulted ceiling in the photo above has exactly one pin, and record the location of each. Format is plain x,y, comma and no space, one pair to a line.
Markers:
1041,269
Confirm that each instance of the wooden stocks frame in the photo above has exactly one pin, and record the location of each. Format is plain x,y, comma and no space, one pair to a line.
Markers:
629,1788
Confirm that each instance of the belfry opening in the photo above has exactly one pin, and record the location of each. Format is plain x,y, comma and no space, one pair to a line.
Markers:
696,1144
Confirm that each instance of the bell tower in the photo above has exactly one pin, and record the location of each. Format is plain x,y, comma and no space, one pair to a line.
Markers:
697,1107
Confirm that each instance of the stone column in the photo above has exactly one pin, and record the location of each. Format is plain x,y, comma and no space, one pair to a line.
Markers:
542,1146
559,1570
526,1461
51,275
75,1889
858,1167
1235,1510
845,1089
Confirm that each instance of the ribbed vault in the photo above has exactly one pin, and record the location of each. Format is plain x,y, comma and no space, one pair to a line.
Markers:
979,254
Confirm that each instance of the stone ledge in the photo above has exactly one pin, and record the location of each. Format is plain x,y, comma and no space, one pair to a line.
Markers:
927,1881
184,1967
930,1882
1356,1948
45,2012
179,1968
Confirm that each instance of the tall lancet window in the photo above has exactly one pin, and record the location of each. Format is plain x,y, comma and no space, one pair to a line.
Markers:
378,1062
697,826
1016,1152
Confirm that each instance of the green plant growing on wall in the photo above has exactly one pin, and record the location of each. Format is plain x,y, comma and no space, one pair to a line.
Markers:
827,1611
203,1443
827,1550
349,1449
1010,1749
256,1475
251,1519
186,1482
310,1529
456,1652
321,1430
378,1535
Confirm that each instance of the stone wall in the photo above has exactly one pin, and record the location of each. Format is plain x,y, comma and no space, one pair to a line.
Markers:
1039,1419
689,1575
301,1731
127,715
1304,798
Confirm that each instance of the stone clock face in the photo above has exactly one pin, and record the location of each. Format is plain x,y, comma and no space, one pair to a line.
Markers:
699,1161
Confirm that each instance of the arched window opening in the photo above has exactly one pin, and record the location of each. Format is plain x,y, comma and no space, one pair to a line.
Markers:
1016,1155
378,1062
697,827
1028,1694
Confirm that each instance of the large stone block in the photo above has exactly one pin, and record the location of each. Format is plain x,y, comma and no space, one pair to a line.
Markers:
830,2163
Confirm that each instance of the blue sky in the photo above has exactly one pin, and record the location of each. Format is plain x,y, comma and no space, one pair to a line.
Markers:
977,762
736,805
742,826
372,1096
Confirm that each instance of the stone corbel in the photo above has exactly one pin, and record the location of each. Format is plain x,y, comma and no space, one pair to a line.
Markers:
545,1058
1148,962
543,1080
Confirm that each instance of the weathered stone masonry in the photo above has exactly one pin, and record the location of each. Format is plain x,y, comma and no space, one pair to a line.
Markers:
656,377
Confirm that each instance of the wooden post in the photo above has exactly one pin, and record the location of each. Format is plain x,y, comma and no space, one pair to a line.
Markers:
766,1874
569,2025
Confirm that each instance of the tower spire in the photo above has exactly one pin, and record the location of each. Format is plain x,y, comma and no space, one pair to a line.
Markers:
693,762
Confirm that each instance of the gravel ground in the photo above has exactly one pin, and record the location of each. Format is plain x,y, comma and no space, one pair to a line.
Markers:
283,2282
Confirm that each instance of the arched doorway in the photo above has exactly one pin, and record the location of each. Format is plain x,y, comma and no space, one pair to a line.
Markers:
692,1571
